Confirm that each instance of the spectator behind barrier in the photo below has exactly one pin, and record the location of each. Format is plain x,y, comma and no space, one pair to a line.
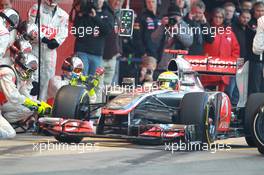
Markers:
184,6
144,26
258,11
246,5
148,66
89,46
174,33
230,11
198,23
113,41
225,45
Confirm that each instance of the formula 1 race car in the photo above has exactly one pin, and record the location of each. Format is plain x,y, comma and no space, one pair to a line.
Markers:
185,112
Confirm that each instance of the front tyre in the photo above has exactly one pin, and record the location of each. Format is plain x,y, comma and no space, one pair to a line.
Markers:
258,129
196,109
254,103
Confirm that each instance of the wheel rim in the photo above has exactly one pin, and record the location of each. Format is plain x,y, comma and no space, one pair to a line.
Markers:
210,124
259,126
85,101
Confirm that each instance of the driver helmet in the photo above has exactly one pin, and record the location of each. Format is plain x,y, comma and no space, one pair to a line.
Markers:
72,66
168,80
10,18
52,3
25,65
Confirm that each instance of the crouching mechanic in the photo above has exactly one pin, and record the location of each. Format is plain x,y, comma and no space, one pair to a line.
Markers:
72,69
15,85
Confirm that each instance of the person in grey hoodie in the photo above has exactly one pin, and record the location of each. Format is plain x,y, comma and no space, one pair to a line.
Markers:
174,33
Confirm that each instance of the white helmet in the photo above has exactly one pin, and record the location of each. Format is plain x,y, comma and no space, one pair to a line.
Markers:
25,65
10,18
29,31
52,3
72,65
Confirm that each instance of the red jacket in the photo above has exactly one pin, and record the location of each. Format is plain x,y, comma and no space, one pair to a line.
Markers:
225,45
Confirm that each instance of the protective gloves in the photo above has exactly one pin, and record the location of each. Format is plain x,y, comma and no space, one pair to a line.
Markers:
52,44
42,108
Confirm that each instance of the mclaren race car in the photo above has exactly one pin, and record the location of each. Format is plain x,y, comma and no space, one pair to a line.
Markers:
182,111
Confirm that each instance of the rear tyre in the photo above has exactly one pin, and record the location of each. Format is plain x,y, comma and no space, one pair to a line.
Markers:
68,139
255,101
71,102
195,110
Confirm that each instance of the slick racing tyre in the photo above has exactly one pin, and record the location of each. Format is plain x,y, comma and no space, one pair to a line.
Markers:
68,139
258,129
254,102
71,102
196,110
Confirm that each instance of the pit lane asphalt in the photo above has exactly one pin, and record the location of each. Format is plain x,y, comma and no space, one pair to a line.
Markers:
23,156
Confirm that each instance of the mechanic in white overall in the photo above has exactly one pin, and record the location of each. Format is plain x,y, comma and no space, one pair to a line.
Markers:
71,67
54,31
9,20
258,48
15,84
6,130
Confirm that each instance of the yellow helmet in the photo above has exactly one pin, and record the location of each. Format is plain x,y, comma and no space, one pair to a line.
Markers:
168,80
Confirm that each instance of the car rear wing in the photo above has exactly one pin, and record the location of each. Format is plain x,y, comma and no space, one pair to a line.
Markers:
207,64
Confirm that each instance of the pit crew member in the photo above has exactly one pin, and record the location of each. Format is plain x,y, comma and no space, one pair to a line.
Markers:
72,68
54,31
258,48
9,20
15,102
